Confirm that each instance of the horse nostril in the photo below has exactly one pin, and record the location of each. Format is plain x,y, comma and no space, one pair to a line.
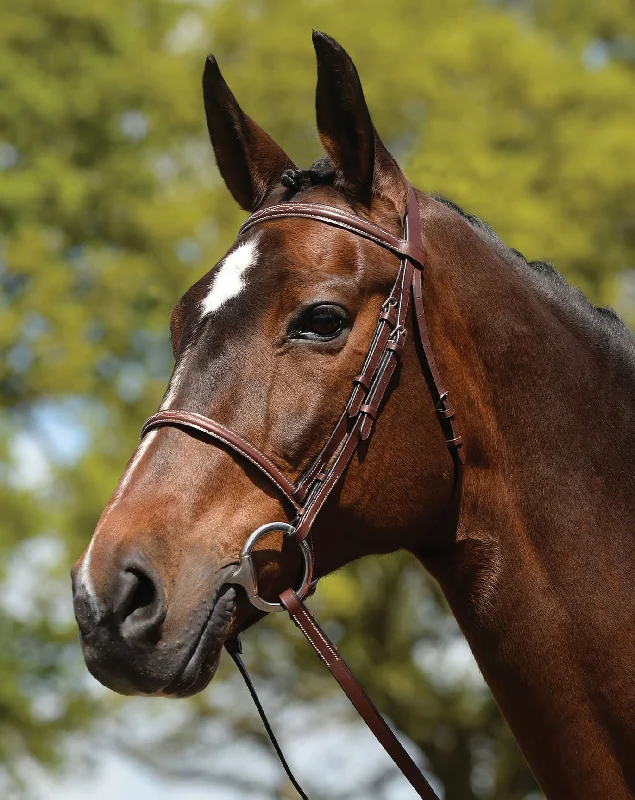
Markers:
140,596
140,603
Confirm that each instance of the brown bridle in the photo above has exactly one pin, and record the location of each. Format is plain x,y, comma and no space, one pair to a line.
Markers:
355,425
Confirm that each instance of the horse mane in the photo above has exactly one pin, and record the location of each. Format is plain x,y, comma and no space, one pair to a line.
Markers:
543,271
605,321
601,324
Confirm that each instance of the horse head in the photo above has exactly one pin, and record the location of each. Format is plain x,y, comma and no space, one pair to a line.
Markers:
267,344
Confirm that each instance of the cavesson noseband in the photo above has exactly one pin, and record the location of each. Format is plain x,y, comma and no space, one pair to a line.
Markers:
307,496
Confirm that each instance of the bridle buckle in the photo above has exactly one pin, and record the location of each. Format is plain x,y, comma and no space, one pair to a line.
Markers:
397,339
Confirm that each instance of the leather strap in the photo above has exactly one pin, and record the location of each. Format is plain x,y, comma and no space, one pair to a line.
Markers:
388,319
327,651
445,411
340,219
190,419
370,386
325,484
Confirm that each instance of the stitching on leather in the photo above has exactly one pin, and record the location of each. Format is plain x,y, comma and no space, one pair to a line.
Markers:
320,461
325,641
277,212
322,498
311,548
313,645
275,475
381,237
307,209
235,436
392,244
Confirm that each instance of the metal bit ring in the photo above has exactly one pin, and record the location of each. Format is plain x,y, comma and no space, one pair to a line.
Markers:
245,575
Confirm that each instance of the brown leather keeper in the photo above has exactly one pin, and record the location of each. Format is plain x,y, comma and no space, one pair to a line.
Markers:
369,410
397,344
362,380
389,315
446,413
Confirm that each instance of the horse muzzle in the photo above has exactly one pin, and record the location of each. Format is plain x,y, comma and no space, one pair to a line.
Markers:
129,644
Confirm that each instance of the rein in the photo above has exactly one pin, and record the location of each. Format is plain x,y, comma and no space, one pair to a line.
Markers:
355,425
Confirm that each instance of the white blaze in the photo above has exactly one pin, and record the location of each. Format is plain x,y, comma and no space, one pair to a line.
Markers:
142,447
84,577
228,280
175,381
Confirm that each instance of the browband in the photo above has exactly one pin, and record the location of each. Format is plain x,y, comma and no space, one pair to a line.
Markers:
339,219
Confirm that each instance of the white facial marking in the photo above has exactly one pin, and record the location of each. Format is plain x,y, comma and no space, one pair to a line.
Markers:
228,276
144,444
175,381
227,283
84,577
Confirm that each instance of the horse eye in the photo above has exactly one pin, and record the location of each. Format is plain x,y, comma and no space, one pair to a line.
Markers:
322,323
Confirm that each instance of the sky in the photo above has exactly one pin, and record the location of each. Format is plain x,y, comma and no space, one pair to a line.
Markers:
117,777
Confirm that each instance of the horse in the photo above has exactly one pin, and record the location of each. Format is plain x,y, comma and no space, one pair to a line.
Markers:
534,553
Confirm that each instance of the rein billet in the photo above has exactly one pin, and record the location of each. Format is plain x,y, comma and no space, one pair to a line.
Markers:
355,425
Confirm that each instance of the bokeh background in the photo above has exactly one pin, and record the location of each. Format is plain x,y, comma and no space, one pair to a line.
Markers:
111,206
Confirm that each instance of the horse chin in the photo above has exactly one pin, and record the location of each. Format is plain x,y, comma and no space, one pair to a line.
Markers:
203,662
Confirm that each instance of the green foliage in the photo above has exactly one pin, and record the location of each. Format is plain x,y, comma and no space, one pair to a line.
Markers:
110,207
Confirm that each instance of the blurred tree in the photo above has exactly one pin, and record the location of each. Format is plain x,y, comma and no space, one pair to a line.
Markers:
596,32
110,207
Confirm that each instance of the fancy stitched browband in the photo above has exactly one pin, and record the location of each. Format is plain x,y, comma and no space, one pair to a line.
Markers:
356,423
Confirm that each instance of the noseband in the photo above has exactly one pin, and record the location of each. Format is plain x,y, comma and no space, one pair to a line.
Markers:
307,496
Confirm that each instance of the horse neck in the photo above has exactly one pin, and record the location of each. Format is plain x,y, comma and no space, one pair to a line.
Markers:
540,575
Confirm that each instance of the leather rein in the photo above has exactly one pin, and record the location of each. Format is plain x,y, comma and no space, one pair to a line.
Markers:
355,425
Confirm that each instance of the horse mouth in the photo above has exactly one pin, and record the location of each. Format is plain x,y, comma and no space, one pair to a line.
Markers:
203,661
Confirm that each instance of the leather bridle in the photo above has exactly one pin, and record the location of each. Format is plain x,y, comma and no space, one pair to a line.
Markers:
308,495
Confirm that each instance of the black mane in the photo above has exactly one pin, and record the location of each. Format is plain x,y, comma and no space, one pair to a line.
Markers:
544,271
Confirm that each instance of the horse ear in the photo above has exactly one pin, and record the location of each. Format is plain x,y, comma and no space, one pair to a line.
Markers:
363,166
250,162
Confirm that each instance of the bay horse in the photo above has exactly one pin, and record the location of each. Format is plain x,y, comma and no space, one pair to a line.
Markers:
535,555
